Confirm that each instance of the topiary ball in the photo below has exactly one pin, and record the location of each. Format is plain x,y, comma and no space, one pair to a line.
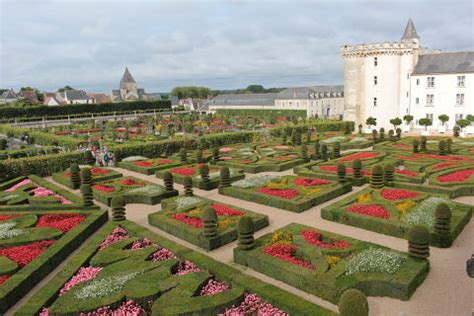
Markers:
117,202
443,211
356,164
246,225
389,167
377,170
353,303
418,235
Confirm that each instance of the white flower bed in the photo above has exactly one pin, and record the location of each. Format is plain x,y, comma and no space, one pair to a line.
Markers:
186,201
105,286
423,214
335,139
7,230
134,158
254,182
375,260
148,189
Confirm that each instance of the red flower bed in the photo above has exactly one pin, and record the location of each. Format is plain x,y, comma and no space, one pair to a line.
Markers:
401,146
222,210
316,239
24,254
99,171
443,157
104,188
143,163
286,253
281,158
184,171
396,194
285,194
165,161
245,160
457,176
7,217
405,158
4,278
363,155
63,222
444,165
130,181
307,182
407,172
370,210
348,170
196,222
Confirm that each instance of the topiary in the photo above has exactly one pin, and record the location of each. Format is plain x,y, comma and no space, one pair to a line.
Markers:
376,178
388,172
374,135
449,145
168,180
204,171
75,176
360,129
324,152
423,141
298,137
87,197
456,130
293,137
304,153
336,150
183,156
416,145
86,176
341,172
442,148
3,144
418,242
225,178
353,303
399,133
246,229
382,134
188,186
89,158
209,219
357,166
347,128
443,223
391,135
27,168
199,156
316,154
118,208
215,154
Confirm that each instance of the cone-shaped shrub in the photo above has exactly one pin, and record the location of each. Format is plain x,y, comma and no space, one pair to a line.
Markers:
357,166
416,145
188,186
376,177
209,219
374,135
86,176
215,154
204,171
317,154
75,176
360,129
183,156
168,180
199,156
423,141
443,223
225,178
347,128
118,208
449,145
418,242
388,173
391,135
341,172
87,196
442,147
336,150
304,152
246,229
88,158
324,152
399,133
353,303
456,131
382,134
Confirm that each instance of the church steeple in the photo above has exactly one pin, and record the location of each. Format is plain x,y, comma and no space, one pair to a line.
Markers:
127,78
410,32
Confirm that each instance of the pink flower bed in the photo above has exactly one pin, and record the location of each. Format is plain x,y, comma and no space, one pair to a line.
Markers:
444,165
457,176
308,182
162,254
195,222
281,147
39,191
284,194
116,235
225,158
63,222
348,170
128,308
406,172
184,171
363,155
227,149
96,171
286,253
315,239
370,210
186,267
213,287
165,161
84,274
4,278
104,188
140,244
7,217
222,210
19,184
133,182
398,194
245,160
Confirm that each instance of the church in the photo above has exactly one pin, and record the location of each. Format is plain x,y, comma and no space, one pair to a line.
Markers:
128,89
395,79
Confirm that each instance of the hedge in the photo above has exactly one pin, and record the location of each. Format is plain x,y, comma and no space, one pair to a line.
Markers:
42,110
329,126
260,113
282,299
30,275
59,177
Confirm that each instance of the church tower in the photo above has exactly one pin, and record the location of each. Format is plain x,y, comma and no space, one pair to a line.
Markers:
128,86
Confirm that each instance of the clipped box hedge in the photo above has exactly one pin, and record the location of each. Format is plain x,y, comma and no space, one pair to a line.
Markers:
458,188
286,301
65,180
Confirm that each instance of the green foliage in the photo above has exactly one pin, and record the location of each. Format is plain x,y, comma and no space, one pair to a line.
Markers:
87,195
443,118
360,129
304,153
353,303
456,130
449,145
341,172
89,158
246,230
418,242
183,157
191,92
225,178
357,166
75,176
371,121
423,142
199,158
425,122
463,123
324,152
408,119
398,132
396,122
86,176
336,150
317,147
442,147
118,208
374,135
389,169
204,172
376,178
443,223
188,186
416,145
168,180
3,144
382,134
209,218
348,128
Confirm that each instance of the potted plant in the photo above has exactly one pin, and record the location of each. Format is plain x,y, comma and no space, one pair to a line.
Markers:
425,122
370,121
408,119
462,124
442,128
396,122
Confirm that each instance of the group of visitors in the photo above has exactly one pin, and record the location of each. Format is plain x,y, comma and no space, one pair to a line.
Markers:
103,157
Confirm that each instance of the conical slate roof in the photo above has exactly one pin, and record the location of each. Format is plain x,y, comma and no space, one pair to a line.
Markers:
410,31
127,77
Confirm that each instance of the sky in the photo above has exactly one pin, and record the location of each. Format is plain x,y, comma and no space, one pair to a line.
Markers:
219,44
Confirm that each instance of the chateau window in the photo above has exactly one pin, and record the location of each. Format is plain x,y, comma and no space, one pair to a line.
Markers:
430,82
375,80
376,61
429,116
458,116
429,99
375,102
461,80
417,100
460,99
417,82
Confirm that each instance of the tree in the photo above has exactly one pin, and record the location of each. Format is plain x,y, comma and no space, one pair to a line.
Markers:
396,122
255,88
65,88
371,121
425,122
408,119
191,92
353,303
463,123
443,118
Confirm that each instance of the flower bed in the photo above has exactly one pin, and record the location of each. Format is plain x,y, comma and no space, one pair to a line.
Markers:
132,189
292,193
326,264
393,211
99,281
182,217
458,180
98,174
361,156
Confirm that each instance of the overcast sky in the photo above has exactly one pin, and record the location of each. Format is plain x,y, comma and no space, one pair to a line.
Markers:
220,44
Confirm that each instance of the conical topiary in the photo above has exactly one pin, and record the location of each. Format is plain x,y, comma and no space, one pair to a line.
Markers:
442,148
388,173
423,141
188,186
87,197
376,178
215,154
357,166
391,135
442,225
316,154
204,171
341,172
118,208
209,219
304,152
416,145
456,130
75,176
449,145
168,180
183,155
382,134
89,158
324,152
360,129
246,230
199,156
418,242
225,178
374,134
86,176
336,150
399,133
353,303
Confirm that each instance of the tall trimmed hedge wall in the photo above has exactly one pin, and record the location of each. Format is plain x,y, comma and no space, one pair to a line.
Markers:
329,126
42,110
260,113
41,138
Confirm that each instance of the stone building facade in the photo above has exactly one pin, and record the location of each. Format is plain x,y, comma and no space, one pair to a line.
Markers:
128,89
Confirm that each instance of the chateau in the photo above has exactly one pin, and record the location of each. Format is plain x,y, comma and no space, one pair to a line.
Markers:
128,89
388,80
